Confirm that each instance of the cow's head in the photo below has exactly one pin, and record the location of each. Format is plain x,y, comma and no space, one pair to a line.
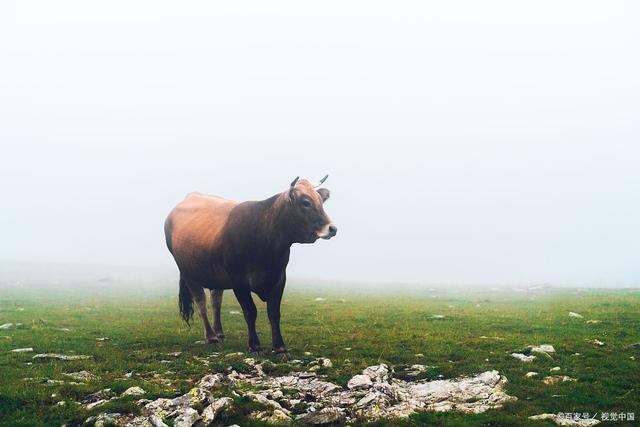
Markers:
307,218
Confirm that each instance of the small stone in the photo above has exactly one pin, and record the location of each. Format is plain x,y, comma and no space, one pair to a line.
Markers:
104,419
90,406
575,315
542,348
598,343
325,362
211,381
82,376
438,316
347,349
558,379
321,299
133,391
175,354
103,339
22,350
307,353
523,357
566,422
593,321
13,326
234,312
555,369
418,355
57,356
530,374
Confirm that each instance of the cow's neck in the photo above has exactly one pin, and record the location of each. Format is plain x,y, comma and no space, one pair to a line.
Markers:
272,228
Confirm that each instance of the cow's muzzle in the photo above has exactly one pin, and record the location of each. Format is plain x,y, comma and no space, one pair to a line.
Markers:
328,231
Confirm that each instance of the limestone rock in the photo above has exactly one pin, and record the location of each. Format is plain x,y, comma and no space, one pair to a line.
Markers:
523,357
82,376
57,356
22,350
215,409
555,379
187,418
566,422
360,382
326,417
133,391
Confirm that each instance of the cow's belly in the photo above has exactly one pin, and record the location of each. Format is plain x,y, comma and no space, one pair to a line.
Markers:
263,282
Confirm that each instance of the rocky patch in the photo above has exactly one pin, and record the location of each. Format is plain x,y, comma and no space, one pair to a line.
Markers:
308,398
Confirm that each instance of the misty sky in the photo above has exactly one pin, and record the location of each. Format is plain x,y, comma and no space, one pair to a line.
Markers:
466,142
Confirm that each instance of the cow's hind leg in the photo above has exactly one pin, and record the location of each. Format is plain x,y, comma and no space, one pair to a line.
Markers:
216,302
201,300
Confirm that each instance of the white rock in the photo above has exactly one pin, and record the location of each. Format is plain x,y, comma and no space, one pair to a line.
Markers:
542,348
216,408
60,356
566,422
530,374
555,369
321,299
598,343
359,382
558,379
187,418
234,312
377,372
523,357
576,315
22,350
81,376
133,391
593,321
438,316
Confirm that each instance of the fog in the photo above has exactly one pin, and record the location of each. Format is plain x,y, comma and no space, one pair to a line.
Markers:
466,142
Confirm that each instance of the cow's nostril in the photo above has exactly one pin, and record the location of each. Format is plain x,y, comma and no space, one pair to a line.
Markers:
333,230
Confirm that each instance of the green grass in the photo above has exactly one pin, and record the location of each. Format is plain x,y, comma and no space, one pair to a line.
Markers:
388,327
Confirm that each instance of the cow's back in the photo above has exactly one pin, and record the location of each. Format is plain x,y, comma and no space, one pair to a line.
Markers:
193,231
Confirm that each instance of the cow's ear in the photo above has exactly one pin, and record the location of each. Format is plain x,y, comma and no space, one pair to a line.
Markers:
324,193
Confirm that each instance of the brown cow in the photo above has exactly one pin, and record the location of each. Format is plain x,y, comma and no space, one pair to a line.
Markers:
220,244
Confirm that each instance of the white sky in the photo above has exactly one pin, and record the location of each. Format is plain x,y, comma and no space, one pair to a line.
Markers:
466,142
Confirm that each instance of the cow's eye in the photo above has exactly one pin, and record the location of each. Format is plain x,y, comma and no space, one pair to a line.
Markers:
306,203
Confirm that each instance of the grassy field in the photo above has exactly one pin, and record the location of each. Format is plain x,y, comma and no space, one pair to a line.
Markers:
478,332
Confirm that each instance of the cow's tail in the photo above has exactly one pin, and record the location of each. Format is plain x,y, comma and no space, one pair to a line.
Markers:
185,301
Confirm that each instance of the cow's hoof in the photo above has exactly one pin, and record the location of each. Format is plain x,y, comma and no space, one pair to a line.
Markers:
220,336
256,352
213,340
280,350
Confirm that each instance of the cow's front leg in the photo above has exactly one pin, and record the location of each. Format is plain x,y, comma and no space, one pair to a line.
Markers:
250,313
273,310
216,303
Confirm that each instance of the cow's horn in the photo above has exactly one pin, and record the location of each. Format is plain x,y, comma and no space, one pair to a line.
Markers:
322,180
293,183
